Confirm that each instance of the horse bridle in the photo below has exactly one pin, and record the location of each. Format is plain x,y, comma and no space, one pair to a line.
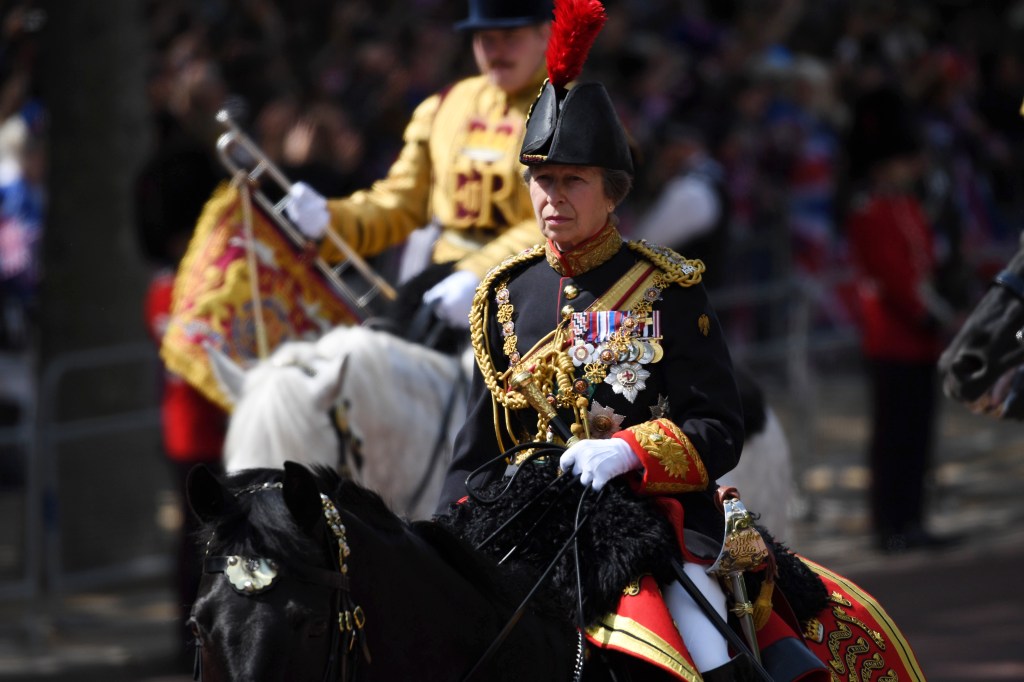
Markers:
1013,283
252,575
350,445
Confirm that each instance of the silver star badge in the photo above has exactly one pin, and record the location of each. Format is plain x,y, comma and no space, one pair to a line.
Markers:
627,379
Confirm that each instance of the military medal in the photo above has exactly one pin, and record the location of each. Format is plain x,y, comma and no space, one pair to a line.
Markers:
582,353
660,409
627,379
603,421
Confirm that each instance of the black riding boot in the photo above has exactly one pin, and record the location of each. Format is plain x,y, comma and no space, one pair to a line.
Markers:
739,669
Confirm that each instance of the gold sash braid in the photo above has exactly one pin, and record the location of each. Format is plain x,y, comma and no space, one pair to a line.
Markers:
217,301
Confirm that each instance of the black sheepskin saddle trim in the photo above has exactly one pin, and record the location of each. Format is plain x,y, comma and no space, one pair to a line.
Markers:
623,538
802,587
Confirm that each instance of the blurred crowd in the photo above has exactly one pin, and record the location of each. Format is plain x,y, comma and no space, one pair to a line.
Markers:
768,86
22,171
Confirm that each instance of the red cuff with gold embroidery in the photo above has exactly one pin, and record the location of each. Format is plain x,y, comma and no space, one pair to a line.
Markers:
671,462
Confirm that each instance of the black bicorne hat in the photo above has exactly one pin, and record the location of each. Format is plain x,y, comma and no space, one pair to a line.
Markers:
485,14
574,126
577,127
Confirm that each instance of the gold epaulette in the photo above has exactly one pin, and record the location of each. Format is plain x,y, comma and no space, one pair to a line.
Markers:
676,270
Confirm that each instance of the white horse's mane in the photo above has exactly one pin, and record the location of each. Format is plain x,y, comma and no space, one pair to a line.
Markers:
281,413
395,395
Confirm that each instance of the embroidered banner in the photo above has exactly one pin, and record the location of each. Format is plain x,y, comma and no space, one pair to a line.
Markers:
213,304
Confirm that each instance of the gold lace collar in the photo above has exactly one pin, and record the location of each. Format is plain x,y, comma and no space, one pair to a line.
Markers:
586,256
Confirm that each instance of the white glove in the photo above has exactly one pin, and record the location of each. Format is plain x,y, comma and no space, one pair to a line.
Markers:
307,208
454,296
599,460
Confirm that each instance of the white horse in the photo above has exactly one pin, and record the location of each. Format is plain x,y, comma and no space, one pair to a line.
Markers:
399,405
385,408
764,477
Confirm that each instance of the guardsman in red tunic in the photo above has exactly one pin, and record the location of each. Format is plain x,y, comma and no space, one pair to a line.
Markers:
904,320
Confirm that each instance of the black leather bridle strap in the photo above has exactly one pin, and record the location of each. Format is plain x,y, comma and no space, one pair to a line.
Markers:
334,580
1010,281
344,444
307,574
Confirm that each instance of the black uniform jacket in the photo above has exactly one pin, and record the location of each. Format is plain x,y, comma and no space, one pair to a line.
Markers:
694,376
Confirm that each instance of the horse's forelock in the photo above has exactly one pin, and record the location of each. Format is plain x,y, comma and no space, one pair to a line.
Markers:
259,524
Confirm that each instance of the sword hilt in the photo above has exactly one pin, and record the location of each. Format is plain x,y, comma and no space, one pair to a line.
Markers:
524,383
743,549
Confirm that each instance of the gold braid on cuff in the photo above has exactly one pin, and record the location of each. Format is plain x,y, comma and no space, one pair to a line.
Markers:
676,454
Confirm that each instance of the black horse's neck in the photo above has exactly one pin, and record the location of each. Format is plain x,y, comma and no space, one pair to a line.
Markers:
432,607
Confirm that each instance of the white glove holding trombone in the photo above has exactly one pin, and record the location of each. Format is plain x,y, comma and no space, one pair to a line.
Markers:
307,208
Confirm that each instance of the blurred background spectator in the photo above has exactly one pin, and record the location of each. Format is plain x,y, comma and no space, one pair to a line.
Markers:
902,316
22,174
327,88
766,86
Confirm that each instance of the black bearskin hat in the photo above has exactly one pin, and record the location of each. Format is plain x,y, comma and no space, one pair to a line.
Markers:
576,126
883,128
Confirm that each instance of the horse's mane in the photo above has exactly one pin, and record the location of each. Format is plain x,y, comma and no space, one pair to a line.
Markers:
275,419
366,504
258,524
502,585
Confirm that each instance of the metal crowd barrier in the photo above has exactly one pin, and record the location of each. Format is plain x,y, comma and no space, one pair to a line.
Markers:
40,436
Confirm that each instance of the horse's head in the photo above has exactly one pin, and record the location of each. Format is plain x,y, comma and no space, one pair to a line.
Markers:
274,577
991,342
283,407
271,593
397,412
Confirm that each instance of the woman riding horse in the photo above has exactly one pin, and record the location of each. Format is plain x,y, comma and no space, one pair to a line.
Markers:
618,339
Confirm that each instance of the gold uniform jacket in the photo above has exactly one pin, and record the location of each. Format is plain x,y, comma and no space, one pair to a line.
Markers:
460,167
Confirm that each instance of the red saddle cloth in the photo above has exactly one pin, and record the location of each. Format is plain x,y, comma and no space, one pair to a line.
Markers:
856,638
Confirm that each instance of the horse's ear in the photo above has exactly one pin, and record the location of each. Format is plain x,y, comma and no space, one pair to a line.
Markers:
206,496
329,380
302,496
229,374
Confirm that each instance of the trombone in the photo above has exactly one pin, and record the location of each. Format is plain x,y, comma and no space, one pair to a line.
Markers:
341,276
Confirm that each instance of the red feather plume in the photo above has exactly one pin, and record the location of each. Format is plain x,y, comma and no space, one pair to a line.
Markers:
576,25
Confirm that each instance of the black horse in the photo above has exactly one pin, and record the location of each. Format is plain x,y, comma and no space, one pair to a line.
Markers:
311,577
980,365
414,604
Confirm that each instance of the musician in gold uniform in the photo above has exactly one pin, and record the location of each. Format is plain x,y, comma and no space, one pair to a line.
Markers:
459,166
